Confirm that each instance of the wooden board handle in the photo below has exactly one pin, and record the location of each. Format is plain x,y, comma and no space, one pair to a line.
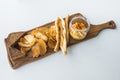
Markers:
95,29
110,24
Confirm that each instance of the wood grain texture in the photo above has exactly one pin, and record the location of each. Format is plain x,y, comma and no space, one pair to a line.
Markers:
17,59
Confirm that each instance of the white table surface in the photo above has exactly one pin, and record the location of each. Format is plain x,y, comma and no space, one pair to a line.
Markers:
95,59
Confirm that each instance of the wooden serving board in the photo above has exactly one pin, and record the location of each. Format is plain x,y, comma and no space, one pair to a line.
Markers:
17,59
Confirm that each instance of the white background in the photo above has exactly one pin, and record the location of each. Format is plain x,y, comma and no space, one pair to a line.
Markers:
95,59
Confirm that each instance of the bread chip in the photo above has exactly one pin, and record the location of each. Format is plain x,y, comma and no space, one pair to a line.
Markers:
33,32
41,36
52,32
26,45
27,41
38,34
36,50
43,46
51,44
67,28
44,30
24,50
29,38
23,40
63,38
39,48
57,35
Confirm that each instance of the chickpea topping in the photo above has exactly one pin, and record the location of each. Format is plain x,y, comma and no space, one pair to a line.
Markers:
80,26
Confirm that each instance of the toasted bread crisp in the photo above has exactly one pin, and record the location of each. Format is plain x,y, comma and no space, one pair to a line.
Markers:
43,46
23,40
52,33
51,44
67,28
27,41
38,34
36,50
63,39
57,35
41,36
39,48
24,50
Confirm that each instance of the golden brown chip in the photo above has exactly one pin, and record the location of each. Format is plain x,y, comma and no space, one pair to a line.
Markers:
27,41
36,50
23,40
39,48
43,46
24,50
43,30
38,34
27,45
33,32
41,36
23,44
29,38
52,32
51,44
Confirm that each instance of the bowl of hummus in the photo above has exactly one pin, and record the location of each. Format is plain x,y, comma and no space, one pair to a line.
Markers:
79,27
